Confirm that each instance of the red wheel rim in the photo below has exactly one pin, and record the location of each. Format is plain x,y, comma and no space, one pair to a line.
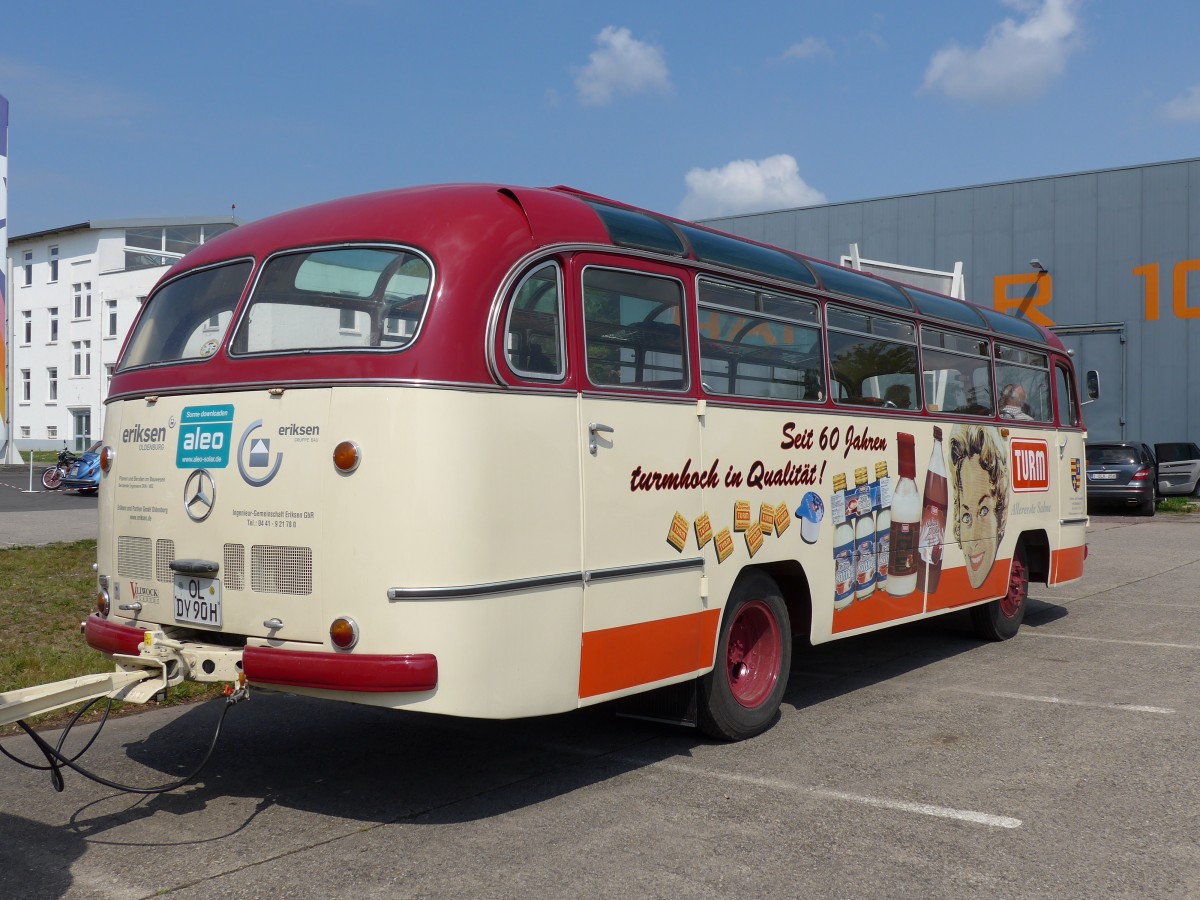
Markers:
1010,603
753,653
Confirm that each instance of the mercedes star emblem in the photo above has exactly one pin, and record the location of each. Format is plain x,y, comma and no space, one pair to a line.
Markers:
199,495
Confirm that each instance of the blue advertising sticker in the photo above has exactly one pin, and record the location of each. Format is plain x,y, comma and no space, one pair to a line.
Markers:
205,433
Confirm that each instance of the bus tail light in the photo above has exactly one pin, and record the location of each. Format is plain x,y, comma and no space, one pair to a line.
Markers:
103,603
343,633
346,457
107,454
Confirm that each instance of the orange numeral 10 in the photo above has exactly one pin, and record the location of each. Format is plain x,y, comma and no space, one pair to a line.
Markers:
1179,280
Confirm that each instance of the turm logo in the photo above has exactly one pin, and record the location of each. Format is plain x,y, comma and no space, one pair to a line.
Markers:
1030,465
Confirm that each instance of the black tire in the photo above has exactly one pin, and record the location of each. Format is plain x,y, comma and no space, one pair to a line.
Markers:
52,478
1147,507
740,697
1001,619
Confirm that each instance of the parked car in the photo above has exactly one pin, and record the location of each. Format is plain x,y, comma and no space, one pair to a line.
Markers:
84,475
1178,467
1122,472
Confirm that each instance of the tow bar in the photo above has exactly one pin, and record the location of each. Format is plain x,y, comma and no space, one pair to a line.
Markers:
160,663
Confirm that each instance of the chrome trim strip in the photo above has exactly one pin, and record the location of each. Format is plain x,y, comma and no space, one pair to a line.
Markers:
456,592
695,562
453,592
1082,521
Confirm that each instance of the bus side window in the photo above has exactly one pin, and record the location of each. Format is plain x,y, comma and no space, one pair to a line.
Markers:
755,343
958,373
1023,380
533,338
634,329
873,359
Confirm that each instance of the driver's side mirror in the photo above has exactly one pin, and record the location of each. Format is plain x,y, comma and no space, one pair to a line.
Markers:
1093,384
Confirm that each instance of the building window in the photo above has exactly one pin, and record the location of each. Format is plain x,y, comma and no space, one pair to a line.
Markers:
53,264
28,268
83,299
82,351
346,320
163,245
25,432
52,431
53,329
26,386
52,384
27,326
108,373
110,318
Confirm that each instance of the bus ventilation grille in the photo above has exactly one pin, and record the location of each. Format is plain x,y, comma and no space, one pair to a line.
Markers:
134,557
233,569
164,555
281,570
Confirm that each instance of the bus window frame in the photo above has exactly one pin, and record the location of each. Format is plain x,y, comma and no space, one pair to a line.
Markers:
585,262
987,359
817,327
122,365
247,302
872,312
1066,370
1046,370
510,305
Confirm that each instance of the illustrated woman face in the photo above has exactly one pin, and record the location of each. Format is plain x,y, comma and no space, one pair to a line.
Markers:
978,523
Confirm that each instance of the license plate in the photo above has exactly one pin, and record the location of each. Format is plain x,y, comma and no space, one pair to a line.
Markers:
198,600
1103,476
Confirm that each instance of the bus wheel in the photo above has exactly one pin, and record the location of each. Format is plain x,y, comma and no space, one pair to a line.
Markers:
740,697
1001,619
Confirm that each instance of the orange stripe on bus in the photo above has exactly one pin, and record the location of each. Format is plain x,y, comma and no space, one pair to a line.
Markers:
954,589
1066,564
617,658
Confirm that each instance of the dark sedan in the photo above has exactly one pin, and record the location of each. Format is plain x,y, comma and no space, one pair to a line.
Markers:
1122,472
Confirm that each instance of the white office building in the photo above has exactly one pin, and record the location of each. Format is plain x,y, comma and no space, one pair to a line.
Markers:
73,294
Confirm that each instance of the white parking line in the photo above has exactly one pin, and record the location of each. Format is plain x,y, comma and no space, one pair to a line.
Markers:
924,809
1075,637
1123,707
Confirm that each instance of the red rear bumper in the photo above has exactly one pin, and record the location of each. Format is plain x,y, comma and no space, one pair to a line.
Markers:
110,637
297,668
341,671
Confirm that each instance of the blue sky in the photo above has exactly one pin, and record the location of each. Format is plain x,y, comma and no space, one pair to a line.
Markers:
152,110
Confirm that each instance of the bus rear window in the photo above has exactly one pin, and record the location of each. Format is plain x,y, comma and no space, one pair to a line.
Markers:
357,298
188,317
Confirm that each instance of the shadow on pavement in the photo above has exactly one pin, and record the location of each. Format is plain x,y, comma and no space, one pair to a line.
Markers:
36,859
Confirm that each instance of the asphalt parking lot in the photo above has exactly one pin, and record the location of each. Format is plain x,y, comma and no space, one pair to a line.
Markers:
914,762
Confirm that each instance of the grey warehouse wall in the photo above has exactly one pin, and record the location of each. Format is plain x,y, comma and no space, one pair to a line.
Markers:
1122,249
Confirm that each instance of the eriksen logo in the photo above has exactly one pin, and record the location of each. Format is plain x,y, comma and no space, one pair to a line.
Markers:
142,434
259,456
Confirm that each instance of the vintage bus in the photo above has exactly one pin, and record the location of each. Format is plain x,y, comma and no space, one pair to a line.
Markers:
495,452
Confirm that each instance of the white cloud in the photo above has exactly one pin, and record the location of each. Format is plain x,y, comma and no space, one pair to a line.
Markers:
622,64
746,185
809,48
1185,108
1017,60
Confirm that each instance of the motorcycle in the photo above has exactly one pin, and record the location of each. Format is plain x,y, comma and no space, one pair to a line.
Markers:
53,476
